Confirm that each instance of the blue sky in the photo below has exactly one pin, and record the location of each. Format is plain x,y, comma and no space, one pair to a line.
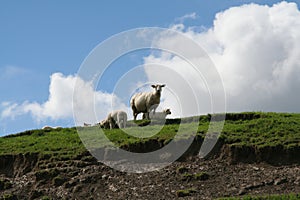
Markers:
41,38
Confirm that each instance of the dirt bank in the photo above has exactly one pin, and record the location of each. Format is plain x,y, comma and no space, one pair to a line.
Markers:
228,171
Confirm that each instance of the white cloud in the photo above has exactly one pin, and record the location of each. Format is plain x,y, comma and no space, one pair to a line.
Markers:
60,102
185,17
256,51
10,71
183,88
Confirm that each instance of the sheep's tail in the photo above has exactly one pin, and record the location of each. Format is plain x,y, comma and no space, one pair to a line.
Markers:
122,119
132,103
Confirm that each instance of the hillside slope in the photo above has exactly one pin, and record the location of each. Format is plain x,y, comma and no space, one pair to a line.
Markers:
257,153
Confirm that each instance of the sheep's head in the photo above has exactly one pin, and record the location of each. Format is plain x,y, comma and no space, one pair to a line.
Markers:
158,88
104,124
167,111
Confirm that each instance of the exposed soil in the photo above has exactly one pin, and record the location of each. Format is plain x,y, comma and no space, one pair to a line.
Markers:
229,171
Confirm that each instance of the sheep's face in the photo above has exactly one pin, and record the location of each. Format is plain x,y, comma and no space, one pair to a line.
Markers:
158,88
167,111
104,124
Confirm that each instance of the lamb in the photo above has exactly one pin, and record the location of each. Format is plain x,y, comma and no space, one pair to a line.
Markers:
115,119
145,102
47,128
159,115
51,128
86,124
104,124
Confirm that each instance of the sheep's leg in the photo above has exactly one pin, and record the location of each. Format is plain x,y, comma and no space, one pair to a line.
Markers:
147,114
125,120
119,121
134,116
111,126
112,123
134,110
120,124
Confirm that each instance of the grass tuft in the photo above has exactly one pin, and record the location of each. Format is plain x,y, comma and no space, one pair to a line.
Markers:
184,193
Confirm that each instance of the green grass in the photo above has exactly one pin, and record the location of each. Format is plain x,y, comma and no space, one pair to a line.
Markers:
250,129
184,193
61,142
266,197
271,129
201,176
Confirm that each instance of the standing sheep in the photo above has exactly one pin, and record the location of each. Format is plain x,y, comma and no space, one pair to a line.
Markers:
114,118
159,115
144,102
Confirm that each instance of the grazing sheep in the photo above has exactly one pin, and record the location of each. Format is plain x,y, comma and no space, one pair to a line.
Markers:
144,102
158,115
51,128
47,128
86,124
115,119
104,124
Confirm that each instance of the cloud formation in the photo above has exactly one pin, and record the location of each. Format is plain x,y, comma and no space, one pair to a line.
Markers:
185,17
60,102
256,51
8,72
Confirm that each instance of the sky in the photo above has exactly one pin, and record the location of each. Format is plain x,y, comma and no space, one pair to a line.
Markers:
253,45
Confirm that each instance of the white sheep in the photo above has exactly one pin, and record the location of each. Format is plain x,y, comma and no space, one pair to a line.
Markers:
51,128
86,124
47,128
104,124
114,118
144,102
159,115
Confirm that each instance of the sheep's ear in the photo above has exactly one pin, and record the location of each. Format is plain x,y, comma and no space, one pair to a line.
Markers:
154,86
163,85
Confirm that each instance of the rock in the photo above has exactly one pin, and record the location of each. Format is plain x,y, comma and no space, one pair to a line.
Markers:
112,188
255,168
269,182
280,181
242,191
77,188
255,185
71,183
58,181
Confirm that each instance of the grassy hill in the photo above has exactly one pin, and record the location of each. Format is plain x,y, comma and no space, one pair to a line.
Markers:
252,129
54,164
